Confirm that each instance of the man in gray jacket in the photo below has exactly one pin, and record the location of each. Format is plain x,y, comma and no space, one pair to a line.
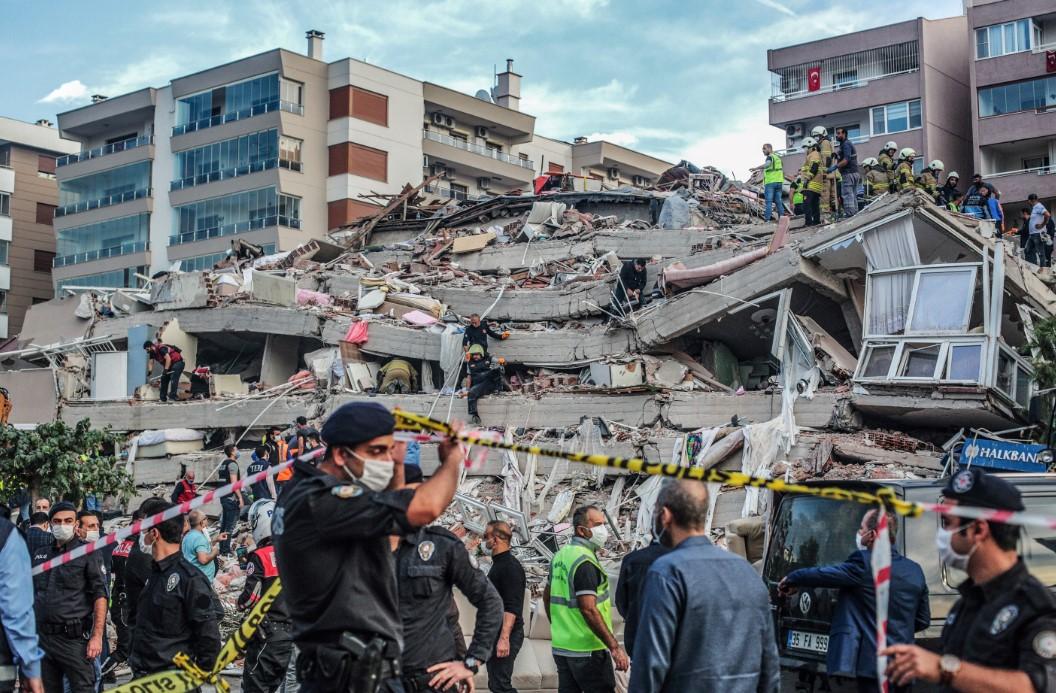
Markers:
706,622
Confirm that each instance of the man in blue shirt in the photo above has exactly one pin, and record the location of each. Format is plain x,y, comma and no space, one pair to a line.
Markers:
847,163
705,616
18,641
1039,219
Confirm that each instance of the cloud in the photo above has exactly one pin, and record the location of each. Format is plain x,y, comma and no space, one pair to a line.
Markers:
624,139
734,150
67,92
775,5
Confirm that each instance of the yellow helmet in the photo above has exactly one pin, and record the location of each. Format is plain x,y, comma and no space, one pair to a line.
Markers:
476,349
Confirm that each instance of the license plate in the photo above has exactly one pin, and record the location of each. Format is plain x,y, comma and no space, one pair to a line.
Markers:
812,642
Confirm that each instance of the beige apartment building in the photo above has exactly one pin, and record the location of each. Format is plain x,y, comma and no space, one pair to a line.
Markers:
280,147
28,197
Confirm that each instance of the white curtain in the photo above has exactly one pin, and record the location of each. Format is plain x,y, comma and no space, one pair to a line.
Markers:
887,247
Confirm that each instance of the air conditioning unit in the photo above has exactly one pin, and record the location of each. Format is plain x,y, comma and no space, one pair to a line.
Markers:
481,131
438,118
483,183
640,180
794,130
614,173
449,121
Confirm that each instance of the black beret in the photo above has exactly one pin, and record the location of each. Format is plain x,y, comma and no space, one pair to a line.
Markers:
355,422
977,488
61,506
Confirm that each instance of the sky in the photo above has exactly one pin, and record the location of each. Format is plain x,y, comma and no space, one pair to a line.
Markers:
672,78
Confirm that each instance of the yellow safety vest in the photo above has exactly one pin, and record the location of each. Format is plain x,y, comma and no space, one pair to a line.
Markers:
569,632
773,172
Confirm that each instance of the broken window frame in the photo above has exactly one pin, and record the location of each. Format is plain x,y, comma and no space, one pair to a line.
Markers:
917,271
1020,365
899,359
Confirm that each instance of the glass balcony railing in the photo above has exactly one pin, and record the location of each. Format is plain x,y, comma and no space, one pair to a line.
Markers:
111,148
242,114
100,254
449,193
459,143
225,174
101,202
233,229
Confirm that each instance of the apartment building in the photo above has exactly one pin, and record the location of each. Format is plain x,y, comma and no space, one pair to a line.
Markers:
1013,85
28,197
907,82
280,147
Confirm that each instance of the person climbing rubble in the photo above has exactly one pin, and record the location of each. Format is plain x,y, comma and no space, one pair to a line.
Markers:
477,332
484,378
397,376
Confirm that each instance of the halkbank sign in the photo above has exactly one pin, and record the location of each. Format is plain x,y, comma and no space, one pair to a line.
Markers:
1000,454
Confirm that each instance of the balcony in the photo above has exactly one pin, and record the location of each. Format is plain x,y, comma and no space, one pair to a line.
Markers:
464,145
102,202
242,114
229,173
100,254
451,194
106,150
234,229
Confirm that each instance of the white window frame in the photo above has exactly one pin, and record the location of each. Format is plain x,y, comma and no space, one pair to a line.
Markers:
1031,38
942,363
909,122
916,269
940,269
1020,363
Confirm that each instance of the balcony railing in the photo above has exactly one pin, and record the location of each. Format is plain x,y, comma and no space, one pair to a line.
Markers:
101,254
799,150
459,143
111,148
241,114
449,193
233,229
228,173
845,71
87,205
1037,170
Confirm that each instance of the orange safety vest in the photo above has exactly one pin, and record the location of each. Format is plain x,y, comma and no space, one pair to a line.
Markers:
284,452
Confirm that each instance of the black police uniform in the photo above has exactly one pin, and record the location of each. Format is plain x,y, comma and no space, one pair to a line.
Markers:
176,613
479,335
483,380
119,605
64,602
228,504
428,564
332,541
268,652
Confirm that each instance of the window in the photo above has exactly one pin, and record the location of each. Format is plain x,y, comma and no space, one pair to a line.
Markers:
459,191
896,117
290,153
1028,95
233,214
103,239
5,250
878,360
3,302
105,188
5,205
240,156
942,301
46,165
965,360
229,102
853,131
42,260
116,279
1003,39
291,92
1040,162
919,361
1013,378
5,155
45,213
848,78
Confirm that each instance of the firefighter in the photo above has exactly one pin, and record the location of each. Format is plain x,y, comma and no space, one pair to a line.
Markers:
929,178
876,183
886,159
810,180
904,179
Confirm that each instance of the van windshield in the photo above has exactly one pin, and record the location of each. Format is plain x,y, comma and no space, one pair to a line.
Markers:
812,532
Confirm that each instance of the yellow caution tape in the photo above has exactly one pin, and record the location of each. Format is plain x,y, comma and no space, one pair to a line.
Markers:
192,676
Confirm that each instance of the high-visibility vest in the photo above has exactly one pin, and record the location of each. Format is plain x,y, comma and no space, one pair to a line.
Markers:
797,197
773,172
569,632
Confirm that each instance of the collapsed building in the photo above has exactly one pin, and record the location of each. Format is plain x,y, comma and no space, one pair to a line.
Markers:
854,351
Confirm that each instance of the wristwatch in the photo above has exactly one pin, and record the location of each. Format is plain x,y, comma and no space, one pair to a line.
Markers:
948,668
472,664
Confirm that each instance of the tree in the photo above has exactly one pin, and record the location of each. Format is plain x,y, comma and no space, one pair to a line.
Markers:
62,462
1043,346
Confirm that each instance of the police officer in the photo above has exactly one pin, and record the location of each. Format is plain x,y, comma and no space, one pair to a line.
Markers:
1001,633
428,563
484,378
331,529
70,605
177,608
130,574
268,653
18,636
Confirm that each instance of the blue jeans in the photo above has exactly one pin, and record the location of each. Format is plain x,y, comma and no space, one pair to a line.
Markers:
1035,250
772,193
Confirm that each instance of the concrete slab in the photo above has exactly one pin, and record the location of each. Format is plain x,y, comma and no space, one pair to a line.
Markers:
692,410
272,289
53,321
573,301
186,290
202,414
33,395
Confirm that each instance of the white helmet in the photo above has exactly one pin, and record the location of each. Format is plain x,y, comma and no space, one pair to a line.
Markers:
953,174
871,162
907,153
260,519
819,131
936,165
890,145
809,142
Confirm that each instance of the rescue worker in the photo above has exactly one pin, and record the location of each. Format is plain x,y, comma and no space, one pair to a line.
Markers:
70,605
397,376
185,489
580,609
929,179
830,184
629,290
904,179
331,530
478,333
177,608
268,652
484,378
171,360
810,181
1001,633
428,563
259,462
886,158
124,594
875,179
797,201
279,448
231,504
949,189
773,183
19,649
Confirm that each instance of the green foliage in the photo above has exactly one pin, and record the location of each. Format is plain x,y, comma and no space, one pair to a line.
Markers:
1045,362
62,462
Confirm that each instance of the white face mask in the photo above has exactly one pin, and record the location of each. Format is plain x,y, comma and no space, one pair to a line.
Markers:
62,533
143,545
947,554
858,542
376,473
91,535
599,535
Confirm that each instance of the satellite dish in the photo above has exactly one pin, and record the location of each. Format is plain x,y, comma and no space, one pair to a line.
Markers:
483,95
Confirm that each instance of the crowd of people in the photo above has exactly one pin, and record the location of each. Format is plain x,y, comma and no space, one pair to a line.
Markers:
366,602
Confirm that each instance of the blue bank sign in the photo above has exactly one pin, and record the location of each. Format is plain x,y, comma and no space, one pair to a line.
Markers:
999,454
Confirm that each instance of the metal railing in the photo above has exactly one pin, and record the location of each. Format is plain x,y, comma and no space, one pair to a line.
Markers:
241,114
845,71
100,254
228,173
112,148
459,143
799,150
87,205
1038,170
234,229
449,193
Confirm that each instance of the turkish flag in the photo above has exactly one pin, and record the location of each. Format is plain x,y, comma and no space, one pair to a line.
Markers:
813,78
1050,61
